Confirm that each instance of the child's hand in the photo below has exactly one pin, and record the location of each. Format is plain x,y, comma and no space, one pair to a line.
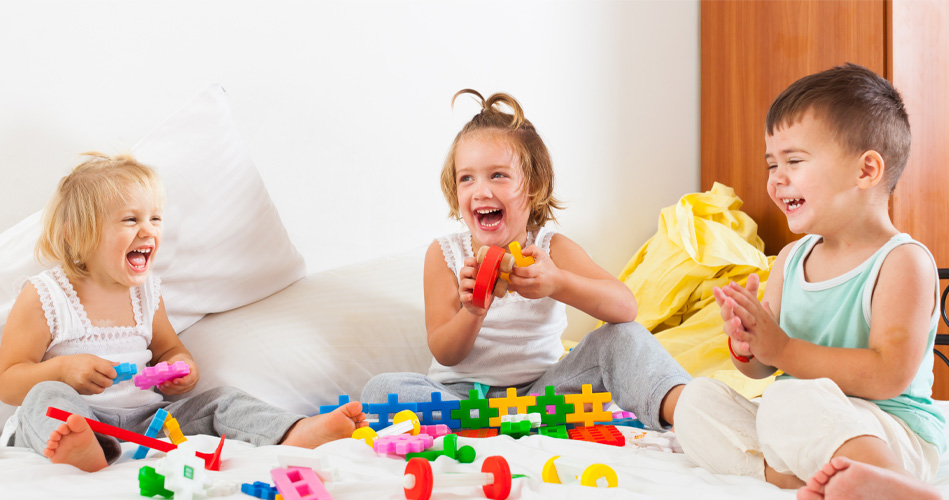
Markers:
86,373
538,280
466,284
181,385
749,323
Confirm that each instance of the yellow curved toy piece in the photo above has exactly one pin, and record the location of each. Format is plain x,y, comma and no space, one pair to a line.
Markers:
366,434
596,472
519,258
549,472
408,416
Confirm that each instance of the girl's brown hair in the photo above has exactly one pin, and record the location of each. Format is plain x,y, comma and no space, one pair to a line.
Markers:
523,138
72,223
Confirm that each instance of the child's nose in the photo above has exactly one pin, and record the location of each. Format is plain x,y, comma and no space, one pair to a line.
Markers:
483,190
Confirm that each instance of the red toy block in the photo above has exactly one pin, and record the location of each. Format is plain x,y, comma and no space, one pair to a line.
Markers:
113,431
477,433
603,434
487,276
212,461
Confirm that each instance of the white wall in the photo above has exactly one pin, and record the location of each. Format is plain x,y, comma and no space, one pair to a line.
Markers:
345,104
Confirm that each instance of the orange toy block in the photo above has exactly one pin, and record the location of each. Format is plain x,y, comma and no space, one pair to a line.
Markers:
603,434
512,400
597,401
173,430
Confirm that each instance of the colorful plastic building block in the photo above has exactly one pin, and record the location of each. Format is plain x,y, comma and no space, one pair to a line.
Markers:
559,470
493,261
405,422
151,483
383,410
629,422
160,373
212,461
299,483
494,479
323,468
173,430
158,421
519,259
427,411
623,414
485,432
516,430
512,401
560,408
113,431
125,372
343,399
595,399
184,473
435,431
402,444
474,403
260,489
555,431
464,455
603,434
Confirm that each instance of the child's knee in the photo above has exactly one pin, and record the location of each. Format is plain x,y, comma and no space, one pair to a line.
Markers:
48,393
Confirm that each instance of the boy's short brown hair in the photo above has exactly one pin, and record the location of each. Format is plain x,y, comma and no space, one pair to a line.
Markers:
863,110
532,154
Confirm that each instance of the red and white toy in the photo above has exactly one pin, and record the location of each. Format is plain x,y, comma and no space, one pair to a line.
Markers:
494,479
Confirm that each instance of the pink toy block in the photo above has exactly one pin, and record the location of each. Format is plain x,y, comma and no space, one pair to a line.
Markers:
162,372
618,415
299,483
402,444
436,431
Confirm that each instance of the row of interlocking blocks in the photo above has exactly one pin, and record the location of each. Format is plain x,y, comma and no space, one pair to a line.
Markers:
554,410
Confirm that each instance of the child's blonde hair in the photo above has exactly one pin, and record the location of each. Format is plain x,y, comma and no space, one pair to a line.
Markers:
72,223
531,152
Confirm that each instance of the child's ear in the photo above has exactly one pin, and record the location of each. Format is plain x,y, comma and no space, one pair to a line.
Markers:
871,169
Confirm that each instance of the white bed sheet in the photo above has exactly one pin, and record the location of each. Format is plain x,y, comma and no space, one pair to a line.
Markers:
644,472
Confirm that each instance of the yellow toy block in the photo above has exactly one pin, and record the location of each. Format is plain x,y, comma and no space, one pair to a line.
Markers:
596,400
519,259
505,404
173,431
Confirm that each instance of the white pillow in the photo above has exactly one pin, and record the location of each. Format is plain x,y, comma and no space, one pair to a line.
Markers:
223,243
322,337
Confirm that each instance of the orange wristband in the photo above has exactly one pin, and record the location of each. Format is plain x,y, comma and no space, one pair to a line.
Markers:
742,359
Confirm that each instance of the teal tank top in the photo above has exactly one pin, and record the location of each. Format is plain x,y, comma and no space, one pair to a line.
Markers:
836,313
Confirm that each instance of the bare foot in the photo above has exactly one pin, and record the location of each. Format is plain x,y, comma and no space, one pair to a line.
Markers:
74,443
320,429
846,479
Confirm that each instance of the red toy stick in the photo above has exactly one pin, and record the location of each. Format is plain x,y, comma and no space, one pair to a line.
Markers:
116,432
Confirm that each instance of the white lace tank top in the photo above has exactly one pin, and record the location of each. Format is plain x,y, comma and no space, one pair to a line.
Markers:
519,338
73,333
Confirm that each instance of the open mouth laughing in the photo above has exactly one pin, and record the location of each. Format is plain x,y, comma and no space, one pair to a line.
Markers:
489,218
138,258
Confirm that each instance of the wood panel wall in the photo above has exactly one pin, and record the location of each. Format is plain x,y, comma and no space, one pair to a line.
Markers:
751,51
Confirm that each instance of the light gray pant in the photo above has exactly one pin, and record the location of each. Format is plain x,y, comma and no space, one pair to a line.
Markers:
623,359
223,410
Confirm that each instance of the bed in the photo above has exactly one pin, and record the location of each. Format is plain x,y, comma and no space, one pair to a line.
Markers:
301,340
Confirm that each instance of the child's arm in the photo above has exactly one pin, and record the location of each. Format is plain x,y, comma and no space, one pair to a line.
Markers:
901,308
570,276
167,347
452,321
25,339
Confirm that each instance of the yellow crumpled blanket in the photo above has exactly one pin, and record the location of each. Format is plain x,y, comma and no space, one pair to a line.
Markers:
704,240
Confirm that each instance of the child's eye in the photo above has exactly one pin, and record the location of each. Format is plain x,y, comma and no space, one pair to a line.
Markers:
498,175
129,219
464,178
156,218
772,166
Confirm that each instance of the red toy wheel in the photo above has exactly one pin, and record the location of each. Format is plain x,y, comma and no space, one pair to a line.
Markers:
422,470
487,276
501,487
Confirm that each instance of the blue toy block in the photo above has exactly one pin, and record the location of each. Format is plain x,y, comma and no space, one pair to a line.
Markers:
125,372
426,411
158,421
260,489
629,422
386,409
343,399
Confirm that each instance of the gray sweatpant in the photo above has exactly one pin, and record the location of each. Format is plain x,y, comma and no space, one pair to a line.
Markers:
220,411
623,359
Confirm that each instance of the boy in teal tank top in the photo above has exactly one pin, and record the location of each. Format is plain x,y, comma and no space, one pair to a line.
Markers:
848,317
